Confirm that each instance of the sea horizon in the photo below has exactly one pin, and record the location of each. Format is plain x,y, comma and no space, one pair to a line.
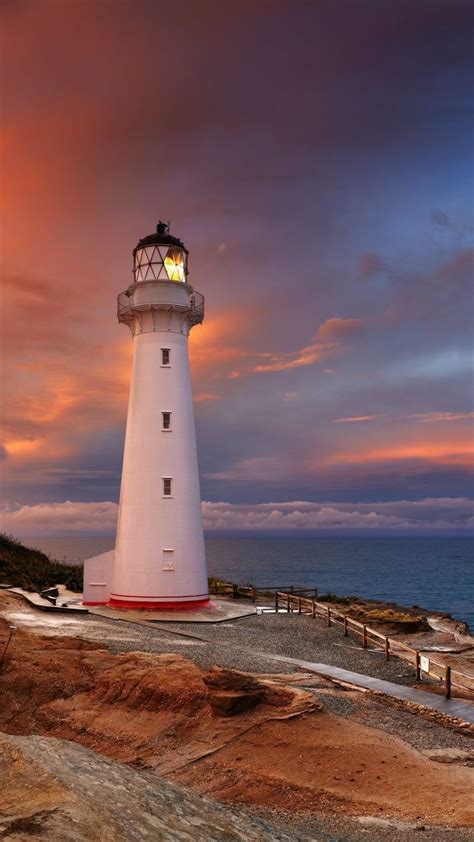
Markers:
435,572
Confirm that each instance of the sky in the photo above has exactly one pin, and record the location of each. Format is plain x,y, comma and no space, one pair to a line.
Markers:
317,160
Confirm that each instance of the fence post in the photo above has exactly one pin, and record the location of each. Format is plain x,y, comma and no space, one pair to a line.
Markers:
447,679
235,592
299,605
345,626
315,593
417,666
329,615
387,648
254,594
288,603
313,610
364,639
276,601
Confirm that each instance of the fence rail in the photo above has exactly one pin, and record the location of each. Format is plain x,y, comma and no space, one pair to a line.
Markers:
451,678
250,592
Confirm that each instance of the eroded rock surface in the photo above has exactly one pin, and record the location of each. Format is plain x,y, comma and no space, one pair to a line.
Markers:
56,790
136,707
231,692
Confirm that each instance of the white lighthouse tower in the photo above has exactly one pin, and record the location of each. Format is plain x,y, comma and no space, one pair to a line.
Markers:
159,558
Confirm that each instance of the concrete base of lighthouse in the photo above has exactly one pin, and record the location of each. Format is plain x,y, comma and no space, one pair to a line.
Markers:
217,611
159,605
98,576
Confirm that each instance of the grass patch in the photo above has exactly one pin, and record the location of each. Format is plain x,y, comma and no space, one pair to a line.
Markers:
218,585
24,567
389,615
334,598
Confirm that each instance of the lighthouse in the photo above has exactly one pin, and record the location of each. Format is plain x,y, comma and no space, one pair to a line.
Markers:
159,558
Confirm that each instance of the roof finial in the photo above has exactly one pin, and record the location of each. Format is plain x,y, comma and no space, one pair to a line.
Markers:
162,227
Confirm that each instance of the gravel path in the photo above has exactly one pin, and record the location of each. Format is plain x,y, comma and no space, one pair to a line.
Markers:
295,636
368,829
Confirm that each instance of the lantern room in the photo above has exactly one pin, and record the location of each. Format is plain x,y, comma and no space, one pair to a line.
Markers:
160,257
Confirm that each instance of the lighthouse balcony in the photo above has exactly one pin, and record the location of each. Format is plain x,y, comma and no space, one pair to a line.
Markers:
160,295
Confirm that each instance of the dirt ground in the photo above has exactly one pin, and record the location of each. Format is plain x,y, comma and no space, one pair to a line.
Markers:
285,752
323,763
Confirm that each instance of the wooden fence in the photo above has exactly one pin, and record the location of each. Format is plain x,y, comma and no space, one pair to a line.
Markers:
250,592
453,679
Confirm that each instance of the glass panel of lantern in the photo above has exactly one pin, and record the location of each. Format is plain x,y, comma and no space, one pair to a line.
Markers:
165,263
142,265
175,265
140,269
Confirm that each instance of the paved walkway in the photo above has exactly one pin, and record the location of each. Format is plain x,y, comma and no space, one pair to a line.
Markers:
218,611
66,602
450,707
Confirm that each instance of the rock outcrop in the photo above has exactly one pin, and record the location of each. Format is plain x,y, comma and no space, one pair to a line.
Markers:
231,692
56,790
158,710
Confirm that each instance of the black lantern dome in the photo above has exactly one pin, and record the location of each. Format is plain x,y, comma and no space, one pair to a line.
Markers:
160,257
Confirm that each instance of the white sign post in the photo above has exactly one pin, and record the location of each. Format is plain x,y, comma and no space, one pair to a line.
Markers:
424,663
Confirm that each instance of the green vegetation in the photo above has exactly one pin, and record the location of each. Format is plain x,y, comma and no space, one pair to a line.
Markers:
389,615
219,586
337,600
23,567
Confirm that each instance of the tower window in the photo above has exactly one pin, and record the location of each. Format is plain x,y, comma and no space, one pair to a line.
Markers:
166,486
165,356
166,420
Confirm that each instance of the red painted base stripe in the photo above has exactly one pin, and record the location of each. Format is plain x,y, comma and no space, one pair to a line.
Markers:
176,605
178,596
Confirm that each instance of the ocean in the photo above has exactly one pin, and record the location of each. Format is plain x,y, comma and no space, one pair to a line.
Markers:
435,573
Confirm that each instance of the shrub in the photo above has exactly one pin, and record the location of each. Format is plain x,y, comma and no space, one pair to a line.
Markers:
25,567
332,597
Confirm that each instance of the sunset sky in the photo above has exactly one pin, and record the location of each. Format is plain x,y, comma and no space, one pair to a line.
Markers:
316,158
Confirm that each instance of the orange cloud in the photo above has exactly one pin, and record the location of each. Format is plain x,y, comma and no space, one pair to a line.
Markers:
50,406
29,450
294,359
433,417
445,453
214,345
23,447
329,340
201,397
355,419
338,329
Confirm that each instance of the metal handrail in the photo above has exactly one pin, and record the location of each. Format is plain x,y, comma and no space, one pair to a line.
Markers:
194,303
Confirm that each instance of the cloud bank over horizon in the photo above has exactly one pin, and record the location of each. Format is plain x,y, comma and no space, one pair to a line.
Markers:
430,515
